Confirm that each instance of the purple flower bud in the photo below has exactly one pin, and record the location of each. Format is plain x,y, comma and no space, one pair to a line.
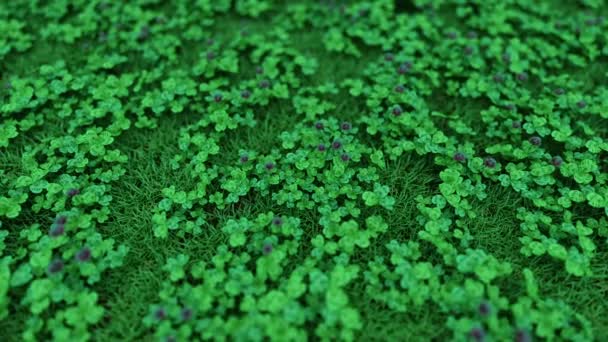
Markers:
557,161
459,157
210,55
559,91
522,336
55,266
535,140
144,33
277,221
477,334
498,78
259,70
510,106
452,35
336,144
245,94
581,104
516,124
244,158
160,314
484,309
210,41
61,220
267,248
269,166
344,157
264,84
73,192
489,162
389,57
57,230
321,147
522,76
84,254
397,111
186,314
472,35
345,126
217,97
468,50
319,125
506,57
399,89
170,339
403,68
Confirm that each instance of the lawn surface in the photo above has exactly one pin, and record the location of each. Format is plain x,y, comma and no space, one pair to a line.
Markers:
303,170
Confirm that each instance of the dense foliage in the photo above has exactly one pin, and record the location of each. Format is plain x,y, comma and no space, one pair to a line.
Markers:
258,170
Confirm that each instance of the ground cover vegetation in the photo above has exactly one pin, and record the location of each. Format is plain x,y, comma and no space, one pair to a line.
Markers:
257,170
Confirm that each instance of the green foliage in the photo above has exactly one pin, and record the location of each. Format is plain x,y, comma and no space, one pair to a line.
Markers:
249,170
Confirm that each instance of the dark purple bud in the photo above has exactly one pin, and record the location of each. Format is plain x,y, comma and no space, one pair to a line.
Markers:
535,140
244,159
459,157
399,89
186,314
244,33
259,70
264,84
484,309
345,126
73,192
557,161
336,145
522,336
217,97
516,124
581,104
160,314
452,35
171,339
498,78
144,33
245,94
57,230
344,157
267,248
61,220
210,41
319,125
472,35
277,221
559,91
210,55
477,334
84,254
269,166
55,266
510,106
321,147
389,57
522,76
397,111
468,50
506,57
489,162
403,68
